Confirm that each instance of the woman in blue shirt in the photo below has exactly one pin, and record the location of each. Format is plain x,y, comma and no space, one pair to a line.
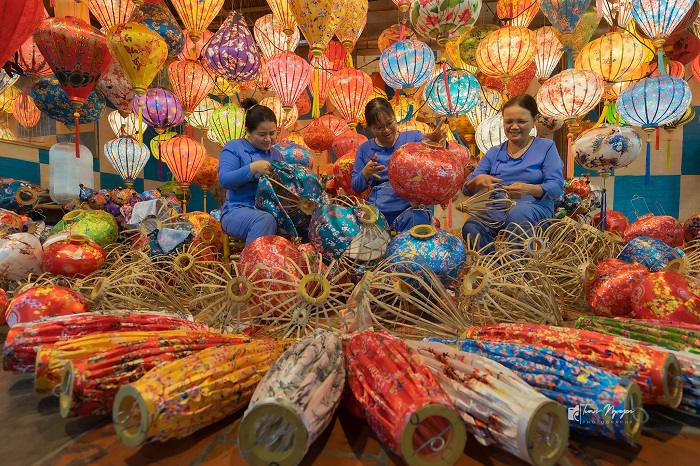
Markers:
372,160
527,167
242,162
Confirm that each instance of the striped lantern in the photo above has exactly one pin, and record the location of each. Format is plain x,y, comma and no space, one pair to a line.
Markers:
111,12
127,156
506,52
453,93
615,56
26,112
406,64
549,52
617,12
283,12
184,156
289,75
226,124
659,18
190,83
517,12
199,118
196,15
160,108
271,39
349,91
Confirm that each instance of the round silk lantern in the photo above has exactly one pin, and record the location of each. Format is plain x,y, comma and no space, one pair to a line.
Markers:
549,52
607,147
652,253
662,227
615,222
547,125
117,88
691,227
127,156
423,173
190,83
342,170
295,154
393,34
160,108
436,250
51,99
226,124
20,255
406,64
443,21
98,225
270,36
453,93
349,90
506,52
75,256
44,301
668,296
347,142
318,137
196,15
609,295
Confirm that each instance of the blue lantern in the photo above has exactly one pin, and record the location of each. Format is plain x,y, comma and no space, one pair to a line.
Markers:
453,93
295,154
50,98
652,102
127,156
564,14
659,18
406,64
158,18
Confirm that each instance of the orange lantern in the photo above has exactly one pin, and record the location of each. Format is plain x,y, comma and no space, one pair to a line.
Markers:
196,15
517,12
334,123
75,256
614,56
206,177
26,113
44,301
183,156
506,51
673,68
284,14
190,83
193,49
349,91
289,75
342,170
284,119
111,12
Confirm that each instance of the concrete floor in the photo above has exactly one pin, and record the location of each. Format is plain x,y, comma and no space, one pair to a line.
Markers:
32,432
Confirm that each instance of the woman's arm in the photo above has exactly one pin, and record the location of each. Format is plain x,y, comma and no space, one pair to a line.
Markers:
359,182
552,170
233,173
473,184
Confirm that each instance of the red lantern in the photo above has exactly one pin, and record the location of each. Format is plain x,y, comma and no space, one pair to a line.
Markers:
3,306
318,137
346,142
342,170
20,18
334,123
44,301
520,82
615,221
190,83
667,296
426,174
662,227
335,54
349,91
609,295
32,61
75,256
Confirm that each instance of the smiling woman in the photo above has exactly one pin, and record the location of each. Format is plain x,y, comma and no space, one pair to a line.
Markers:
528,168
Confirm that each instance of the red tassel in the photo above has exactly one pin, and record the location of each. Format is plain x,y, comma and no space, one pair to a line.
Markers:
447,87
658,132
77,134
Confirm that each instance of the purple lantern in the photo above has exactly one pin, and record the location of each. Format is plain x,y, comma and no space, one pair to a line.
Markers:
231,52
161,108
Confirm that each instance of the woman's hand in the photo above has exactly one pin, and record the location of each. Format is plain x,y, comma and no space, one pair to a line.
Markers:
439,133
518,190
483,181
372,168
261,167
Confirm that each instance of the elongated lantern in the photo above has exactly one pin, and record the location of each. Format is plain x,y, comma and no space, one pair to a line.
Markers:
190,83
289,75
549,52
197,15
231,52
127,156
350,28
26,112
349,91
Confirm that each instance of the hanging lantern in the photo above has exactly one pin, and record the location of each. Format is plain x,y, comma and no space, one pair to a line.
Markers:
284,14
50,97
284,119
658,18
406,64
194,50
617,12
404,107
26,112
442,21
319,139
505,52
347,142
31,61
393,34
334,123
7,99
549,52
402,5
517,12
158,18
199,118
231,52
111,12
226,124
196,15
490,132
6,133
123,125
652,102
140,51
613,92
262,82
453,93
190,83
117,88
160,108
686,118
325,72
183,156
20,19
206,177
671,68
567,96
352,25
614,56
6,81
289,75
469,40
564,14
271,39
127,156
490,103
607,147
349,91
154,145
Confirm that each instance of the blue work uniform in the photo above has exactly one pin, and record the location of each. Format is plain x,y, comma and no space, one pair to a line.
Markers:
383,195
239,217
540,164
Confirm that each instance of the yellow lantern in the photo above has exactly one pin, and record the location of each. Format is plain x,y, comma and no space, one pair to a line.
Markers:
140,51
506,52
490,104
318,20
517,12
111,12
614,56
197,15
7,99
283,12
648,46
351,27
452,53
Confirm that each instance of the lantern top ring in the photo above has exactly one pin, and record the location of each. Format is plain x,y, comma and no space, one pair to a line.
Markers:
423,231
475,280
370,215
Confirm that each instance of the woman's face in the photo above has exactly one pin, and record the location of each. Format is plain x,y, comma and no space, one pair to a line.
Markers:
385,130
517,124
264,136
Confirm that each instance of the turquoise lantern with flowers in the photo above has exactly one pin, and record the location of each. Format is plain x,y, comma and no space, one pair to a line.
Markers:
406,64
453,92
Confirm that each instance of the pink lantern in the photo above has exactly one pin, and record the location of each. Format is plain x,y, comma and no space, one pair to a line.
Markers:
117,88
423,173
32,61
20,255
347,142
193,50
190,83
325,72
184,156
334,123
271,38
289,75
26,112
349,91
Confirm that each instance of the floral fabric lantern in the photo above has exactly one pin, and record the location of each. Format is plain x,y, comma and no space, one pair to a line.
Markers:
549,52
111,12
393,34
226,124
44,301
271,39
117,88
349,91
295,154
615,56
658,18
352,25
75,256
160,108
506,52
441,20
31,61
127,156
99,225
490,103
194,50
453,93
157,17
50,97
607,147
517,12
406,64
190,83
289,75
184,156
196,15
282,10
20,255
231,52
564,14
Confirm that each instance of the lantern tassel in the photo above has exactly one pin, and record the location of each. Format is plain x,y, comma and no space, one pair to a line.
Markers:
658,133
447,87
315,109
160,162
348,60
569,157
77,134
449,215
668,152
604,207
141,122
647,170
